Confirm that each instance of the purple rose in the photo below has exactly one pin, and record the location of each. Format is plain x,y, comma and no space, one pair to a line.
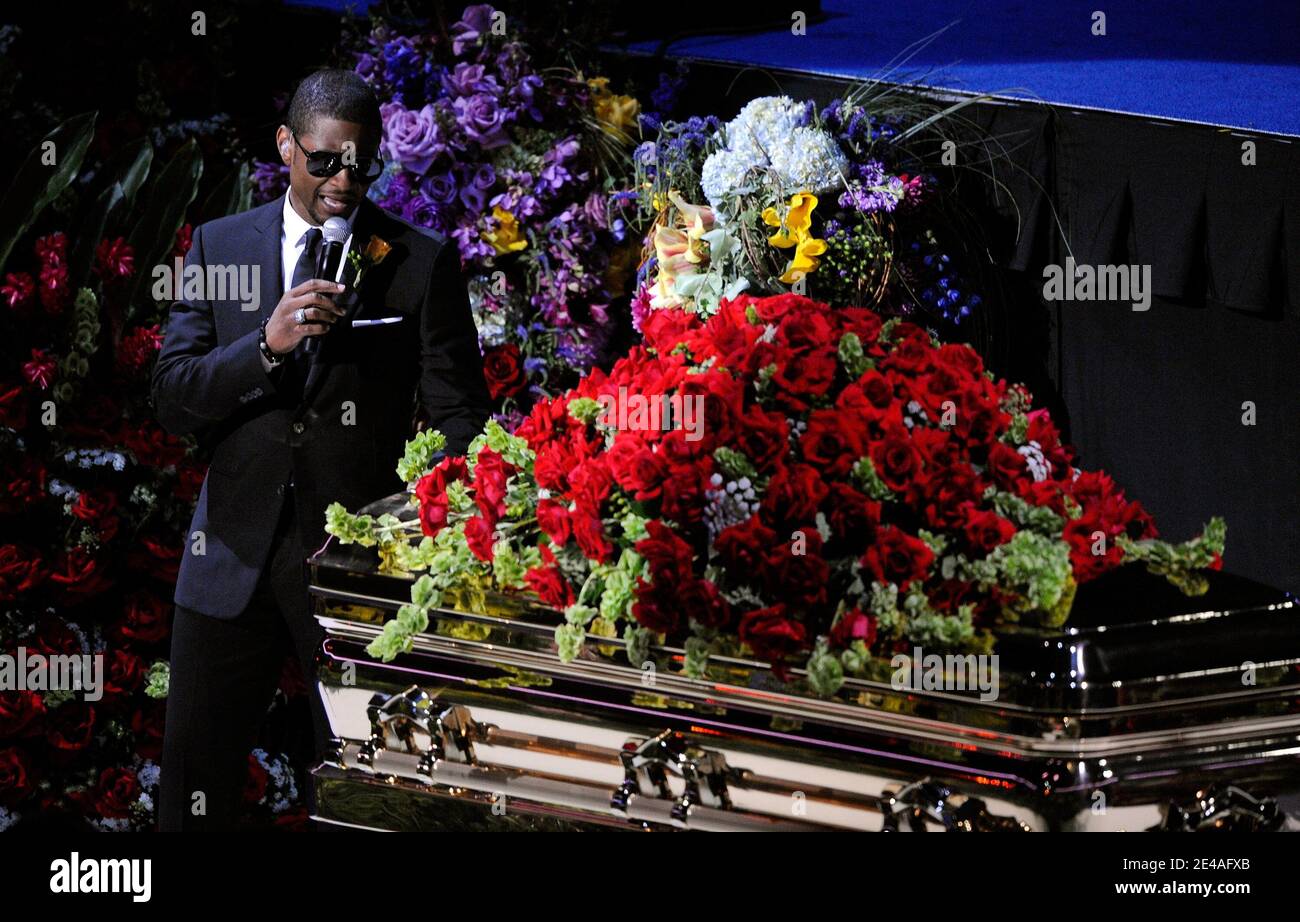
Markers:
411,138
423,211
475,23
468,79
482,120
441,187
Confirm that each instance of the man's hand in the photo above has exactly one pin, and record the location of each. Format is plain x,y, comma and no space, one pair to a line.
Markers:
283,332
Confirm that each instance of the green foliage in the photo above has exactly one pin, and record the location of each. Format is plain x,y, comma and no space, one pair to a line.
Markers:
37,184
349,528
154,234
417,456
1181,564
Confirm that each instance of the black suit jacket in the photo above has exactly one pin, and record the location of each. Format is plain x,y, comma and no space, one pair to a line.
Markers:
342,438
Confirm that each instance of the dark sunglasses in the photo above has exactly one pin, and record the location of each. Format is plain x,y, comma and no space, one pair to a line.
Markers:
323,163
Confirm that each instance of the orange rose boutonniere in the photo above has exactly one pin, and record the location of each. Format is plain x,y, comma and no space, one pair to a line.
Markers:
376,250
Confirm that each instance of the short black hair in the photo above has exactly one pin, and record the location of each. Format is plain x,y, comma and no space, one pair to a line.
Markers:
336,94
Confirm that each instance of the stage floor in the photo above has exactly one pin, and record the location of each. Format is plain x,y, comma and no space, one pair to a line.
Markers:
1225,64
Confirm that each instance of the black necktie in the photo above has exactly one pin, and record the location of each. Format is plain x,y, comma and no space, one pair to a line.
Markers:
295,370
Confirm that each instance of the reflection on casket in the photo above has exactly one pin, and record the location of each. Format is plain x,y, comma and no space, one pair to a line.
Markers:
1148,709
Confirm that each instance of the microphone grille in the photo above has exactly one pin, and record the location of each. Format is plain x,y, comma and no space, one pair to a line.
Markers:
335,230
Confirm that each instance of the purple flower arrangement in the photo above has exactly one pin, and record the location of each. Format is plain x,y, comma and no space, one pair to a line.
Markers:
518,164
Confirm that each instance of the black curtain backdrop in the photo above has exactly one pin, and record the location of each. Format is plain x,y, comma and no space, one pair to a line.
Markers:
1156,398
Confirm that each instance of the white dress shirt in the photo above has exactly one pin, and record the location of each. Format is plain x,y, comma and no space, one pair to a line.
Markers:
293,238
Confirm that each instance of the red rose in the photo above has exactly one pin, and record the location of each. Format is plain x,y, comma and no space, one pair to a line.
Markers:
656,608
947,492
851,515
744,547
683,494
490,476
590,483
637,469
1086,535
985,529
124,673
479,536
431,491
664,329
897,557
503,367
589,532
853,625
1007,467
77,574
805,330
804,377
147,728
16,780
160,558
700,601
18,711
667,554
772,635
775,308
26,488
832,443
553,518
71,726
763,438
116,791
896,460
793,495
799,579
550,585
154,447
95,508
20,571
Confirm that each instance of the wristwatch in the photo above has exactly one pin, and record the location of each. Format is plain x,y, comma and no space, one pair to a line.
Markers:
272,358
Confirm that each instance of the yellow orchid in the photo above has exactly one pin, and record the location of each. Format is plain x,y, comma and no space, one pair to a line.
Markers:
506,238
798,220
616,114
805,259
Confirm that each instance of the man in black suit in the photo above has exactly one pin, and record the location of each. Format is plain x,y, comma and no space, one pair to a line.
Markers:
292,431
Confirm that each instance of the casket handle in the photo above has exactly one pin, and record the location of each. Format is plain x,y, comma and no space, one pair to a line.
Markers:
929,801
670,751
415,709
1225,807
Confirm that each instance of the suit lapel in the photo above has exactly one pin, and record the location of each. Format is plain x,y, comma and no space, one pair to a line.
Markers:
361,230
270,258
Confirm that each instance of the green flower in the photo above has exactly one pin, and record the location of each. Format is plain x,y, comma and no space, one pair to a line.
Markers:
825,672
417,458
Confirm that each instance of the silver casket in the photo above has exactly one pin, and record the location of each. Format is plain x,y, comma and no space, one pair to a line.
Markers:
1148,710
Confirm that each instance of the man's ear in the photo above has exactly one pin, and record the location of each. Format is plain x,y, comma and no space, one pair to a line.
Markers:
284,143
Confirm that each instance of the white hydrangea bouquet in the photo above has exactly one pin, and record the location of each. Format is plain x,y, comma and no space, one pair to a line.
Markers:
837,203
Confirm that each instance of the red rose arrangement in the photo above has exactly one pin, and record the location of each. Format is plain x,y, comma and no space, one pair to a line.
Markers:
782,480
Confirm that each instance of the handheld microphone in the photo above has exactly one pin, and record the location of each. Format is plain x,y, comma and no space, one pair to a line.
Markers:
334,235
